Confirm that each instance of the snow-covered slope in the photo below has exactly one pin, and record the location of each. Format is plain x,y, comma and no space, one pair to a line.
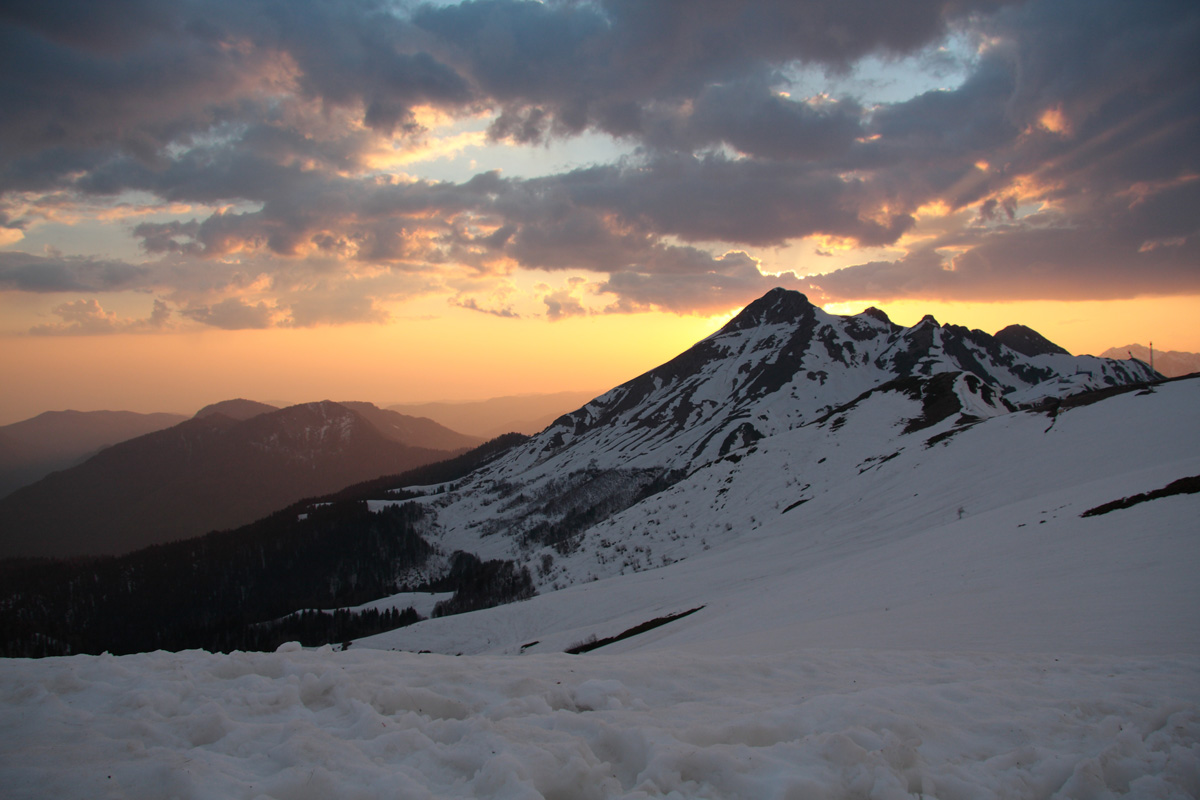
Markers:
850,532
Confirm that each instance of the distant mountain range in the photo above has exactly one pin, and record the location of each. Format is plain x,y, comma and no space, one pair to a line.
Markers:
230,464
55,440
526,413
1171,363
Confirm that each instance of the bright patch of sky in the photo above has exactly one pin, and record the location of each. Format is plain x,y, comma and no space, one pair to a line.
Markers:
104,230
555,156
882,79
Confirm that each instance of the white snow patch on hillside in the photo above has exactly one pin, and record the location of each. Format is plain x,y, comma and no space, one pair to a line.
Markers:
857,536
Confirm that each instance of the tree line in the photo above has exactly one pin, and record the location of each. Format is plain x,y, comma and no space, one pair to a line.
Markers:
240,589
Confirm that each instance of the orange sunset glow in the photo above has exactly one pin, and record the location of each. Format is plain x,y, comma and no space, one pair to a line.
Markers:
460,201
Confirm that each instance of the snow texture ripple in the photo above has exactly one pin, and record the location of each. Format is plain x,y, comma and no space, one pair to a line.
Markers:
809,724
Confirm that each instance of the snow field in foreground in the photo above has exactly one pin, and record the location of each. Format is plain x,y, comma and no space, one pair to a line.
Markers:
812,724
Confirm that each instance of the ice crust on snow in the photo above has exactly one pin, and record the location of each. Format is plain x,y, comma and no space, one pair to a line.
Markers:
370,724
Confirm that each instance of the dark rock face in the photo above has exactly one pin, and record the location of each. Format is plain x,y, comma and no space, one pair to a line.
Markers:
742,436
1027,341
876,313
776,307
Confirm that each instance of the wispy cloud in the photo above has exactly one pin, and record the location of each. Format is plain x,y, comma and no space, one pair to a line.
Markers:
88,318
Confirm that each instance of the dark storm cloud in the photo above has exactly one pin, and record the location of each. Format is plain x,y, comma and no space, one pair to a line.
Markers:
1090,111
91,82
1054,264
745,201
927,147
300,209
78,105
25,272
94,81
757,121
567,66
1125,79
730,281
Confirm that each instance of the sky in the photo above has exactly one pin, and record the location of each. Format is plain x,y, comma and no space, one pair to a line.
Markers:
395,201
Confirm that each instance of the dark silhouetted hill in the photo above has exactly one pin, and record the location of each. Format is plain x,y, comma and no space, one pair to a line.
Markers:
1028,342
415,431
236,409
207,473
33,448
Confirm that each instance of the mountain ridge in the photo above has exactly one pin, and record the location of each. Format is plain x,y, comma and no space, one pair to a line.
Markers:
237,408
783,340
206,473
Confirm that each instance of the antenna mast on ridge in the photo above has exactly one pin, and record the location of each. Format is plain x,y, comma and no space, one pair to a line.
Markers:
1151,355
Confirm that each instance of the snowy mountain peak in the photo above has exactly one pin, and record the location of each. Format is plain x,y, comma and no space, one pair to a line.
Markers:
876,314
776,307
1028,342
783,362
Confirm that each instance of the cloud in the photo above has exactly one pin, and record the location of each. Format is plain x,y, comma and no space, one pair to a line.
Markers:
25,272
560,68
561,304
233,314
1102,256
88,318
754,119
471,304
741,201
732,280
92,87
340,305
1066,158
